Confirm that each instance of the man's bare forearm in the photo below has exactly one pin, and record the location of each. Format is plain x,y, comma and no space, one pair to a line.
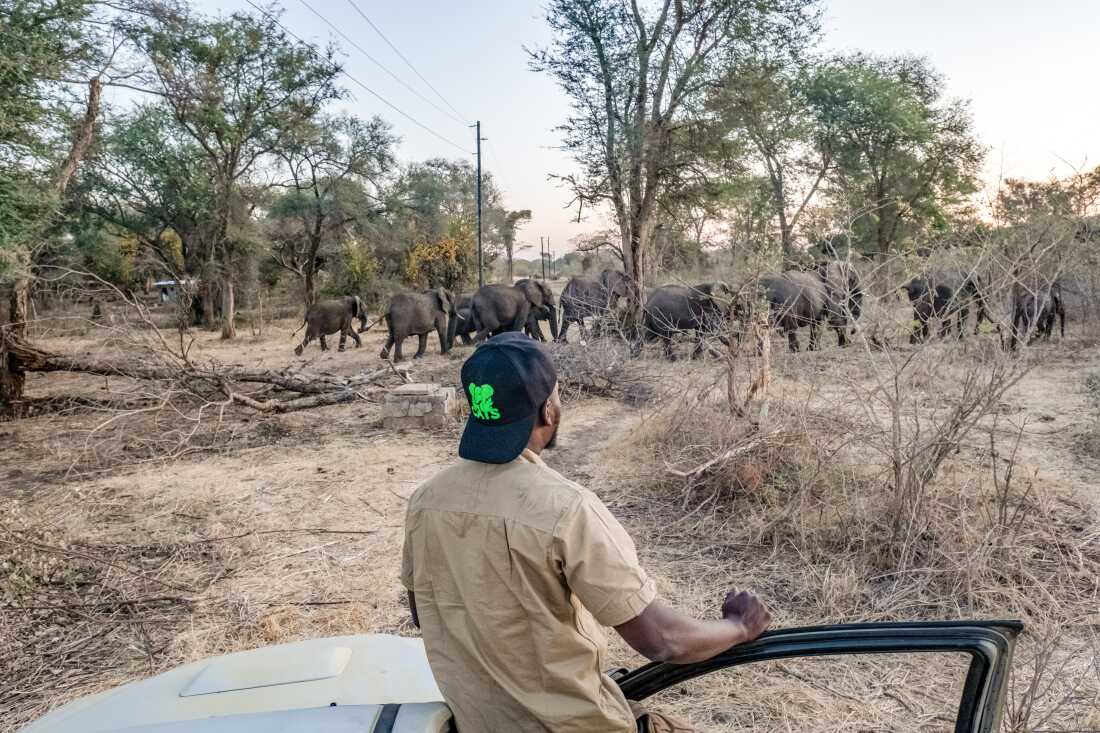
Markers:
663,634
695,640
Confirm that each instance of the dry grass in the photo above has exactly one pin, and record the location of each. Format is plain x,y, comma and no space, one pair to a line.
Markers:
126,576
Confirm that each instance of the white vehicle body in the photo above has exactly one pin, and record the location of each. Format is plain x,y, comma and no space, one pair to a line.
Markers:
349,684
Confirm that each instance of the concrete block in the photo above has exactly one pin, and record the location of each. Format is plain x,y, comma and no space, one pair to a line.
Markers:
419,406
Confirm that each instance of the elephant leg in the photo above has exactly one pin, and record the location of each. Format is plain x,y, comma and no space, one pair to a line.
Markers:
841,336
669,353
466,340
792,340
354,336
564,329
324,344
421,346
397,356
343,340
302,346
813,336
701,345
533,329
441,331
385,354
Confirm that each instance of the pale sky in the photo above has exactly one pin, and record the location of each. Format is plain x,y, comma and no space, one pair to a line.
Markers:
1030,68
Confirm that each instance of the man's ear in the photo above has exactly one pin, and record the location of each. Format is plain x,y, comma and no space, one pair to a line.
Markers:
551,415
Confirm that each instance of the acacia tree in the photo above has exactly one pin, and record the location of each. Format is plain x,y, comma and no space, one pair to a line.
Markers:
49,50
508,227
1020,201
636,77
151,180
334,168
766,103
427,203
241,89
905,154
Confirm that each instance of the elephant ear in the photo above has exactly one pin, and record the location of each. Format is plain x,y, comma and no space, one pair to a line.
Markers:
547,293
446,302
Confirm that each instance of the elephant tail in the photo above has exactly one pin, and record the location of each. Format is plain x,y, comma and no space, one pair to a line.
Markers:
304,322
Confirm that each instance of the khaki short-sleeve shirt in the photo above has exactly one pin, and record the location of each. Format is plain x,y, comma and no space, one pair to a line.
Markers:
515,568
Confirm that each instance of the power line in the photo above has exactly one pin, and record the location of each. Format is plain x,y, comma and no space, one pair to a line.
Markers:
375,94
382,66
403,58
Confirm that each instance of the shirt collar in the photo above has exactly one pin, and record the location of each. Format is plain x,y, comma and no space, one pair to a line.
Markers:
529,456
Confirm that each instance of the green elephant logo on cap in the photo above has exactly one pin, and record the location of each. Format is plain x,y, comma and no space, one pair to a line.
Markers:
481,402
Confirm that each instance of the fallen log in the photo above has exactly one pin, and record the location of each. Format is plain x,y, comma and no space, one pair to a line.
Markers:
212,380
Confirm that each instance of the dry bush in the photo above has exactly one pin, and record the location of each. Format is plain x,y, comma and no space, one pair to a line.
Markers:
803,520
603,367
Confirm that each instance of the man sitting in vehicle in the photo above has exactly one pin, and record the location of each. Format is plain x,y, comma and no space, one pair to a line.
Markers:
513,569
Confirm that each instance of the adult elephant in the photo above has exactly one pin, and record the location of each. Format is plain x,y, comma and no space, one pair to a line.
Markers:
588,297
543,307
795,299
1036,307
418,314
498,308
465,328
702,309
844,296
327,317
948,296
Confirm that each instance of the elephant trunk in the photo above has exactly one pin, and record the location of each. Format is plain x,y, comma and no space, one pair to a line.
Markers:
553,316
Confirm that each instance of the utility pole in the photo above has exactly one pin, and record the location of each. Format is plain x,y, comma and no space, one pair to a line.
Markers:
480,266
542,257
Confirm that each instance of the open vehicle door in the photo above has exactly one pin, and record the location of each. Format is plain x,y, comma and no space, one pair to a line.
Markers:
988,644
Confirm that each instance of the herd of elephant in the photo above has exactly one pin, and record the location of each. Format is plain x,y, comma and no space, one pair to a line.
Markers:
829,295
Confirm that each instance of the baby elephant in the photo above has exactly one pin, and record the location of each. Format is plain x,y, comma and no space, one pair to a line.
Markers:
1036,308
327,317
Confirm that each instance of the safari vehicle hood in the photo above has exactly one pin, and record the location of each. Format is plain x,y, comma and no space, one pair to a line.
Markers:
349,684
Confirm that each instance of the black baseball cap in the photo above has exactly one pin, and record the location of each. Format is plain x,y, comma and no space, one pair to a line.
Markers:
506,380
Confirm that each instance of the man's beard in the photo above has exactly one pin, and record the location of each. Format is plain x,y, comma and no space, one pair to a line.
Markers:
553,442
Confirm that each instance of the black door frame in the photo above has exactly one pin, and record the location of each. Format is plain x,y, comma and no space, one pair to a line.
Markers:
989,644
